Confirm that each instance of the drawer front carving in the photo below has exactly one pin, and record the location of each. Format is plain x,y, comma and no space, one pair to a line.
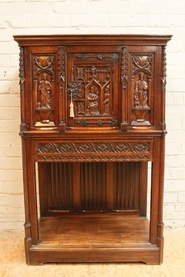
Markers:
94,151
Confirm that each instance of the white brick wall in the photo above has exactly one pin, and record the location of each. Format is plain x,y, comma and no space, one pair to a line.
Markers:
90,16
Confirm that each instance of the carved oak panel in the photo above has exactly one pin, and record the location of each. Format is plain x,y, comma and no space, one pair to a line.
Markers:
91,85
94,152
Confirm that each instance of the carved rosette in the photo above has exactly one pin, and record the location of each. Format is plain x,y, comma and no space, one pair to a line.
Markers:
96,151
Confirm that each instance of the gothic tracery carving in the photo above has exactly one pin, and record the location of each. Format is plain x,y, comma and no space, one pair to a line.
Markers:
94,147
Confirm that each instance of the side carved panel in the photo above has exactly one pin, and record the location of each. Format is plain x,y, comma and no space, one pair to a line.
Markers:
141,80
43,78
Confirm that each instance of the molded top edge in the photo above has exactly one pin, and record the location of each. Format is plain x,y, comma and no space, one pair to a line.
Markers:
26,40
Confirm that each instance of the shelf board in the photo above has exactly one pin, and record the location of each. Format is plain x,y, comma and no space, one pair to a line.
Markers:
93,230
93,238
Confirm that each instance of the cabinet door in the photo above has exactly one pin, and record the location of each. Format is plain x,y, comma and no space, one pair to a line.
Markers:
92,87
143,95
41,86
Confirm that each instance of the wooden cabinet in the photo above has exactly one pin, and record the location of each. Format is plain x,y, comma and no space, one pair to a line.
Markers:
93,131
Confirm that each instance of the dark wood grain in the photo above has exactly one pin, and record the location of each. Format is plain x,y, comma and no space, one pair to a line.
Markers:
92,118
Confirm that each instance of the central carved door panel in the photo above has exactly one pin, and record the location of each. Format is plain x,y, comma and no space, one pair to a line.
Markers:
92,86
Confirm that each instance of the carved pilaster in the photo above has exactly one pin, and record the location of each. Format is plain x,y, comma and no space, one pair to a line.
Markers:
163,85
22,83
124,81
61,84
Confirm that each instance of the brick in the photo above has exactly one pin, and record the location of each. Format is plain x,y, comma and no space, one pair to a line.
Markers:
173,148
174,185
59,21
15,187
170,215
5,34
9,127
172,123
5,86
9,100
174,8
109,7
10,114
14,60
9,47
181,215
176,72
12,164
4,60
92,20
128,20
181,197
40,21
169,208
174,223
170,197
7,139
173,135
158,20
70,7
20,21
147,7
28,8
171,85
9,73
180,208
15,176
13,151
6,9
15,88
174,161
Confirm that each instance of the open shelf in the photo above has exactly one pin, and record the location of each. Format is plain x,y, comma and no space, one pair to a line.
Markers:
93,230
94,237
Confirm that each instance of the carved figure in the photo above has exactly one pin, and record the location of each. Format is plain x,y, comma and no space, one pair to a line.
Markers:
45,89
92,107
141,92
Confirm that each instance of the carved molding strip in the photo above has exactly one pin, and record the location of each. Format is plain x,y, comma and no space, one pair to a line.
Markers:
96,151
94,147
84,122
61,65
21,67
85,56
124,66
104,158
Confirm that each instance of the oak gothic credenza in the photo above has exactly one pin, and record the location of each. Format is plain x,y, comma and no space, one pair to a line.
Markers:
93,137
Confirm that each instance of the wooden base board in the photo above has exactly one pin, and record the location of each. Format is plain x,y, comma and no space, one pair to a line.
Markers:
93,238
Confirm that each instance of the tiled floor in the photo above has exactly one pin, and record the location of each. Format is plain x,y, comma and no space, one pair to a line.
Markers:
12,262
